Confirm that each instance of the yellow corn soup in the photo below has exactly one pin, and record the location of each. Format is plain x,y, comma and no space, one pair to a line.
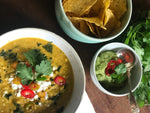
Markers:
48,94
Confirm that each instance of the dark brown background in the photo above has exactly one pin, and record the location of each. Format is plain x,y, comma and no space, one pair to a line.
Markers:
41,14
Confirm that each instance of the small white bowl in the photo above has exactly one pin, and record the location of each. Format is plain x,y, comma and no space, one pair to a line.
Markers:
136,72
75,34
78,70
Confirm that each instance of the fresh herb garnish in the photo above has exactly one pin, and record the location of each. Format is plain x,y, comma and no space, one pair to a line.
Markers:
120,69
18,108
1,81
34,56
58,69
25,73
41,78
9,55
7,95
48,47
38,44
138,37
40,66
54,97
44,68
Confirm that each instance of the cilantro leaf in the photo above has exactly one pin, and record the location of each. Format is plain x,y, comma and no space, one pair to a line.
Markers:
24,72
120,69
48,47
41,78
34,56
26,81
140,42
44,68
147,53
118,78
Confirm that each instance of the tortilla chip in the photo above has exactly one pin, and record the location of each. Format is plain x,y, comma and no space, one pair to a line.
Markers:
78,7
84,28
80,25
98,32
92,28
118,7
75,22
111,23
94,20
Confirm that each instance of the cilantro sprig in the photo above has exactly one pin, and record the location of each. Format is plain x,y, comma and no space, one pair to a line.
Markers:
34,56
40,67
138,37
119,74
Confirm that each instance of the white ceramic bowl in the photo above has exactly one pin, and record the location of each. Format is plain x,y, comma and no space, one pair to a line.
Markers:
136,72
79,74
75,34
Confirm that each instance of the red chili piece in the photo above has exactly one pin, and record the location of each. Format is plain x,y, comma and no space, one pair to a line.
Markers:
28,93
25,86
111,63
111,66
119,61
109,70
60,80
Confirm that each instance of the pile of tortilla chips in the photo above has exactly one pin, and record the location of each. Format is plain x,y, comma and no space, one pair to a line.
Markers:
95,17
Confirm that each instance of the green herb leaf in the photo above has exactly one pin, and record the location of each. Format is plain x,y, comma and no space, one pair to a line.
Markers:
38,44
35,57
18,108
120,69
138,37
7,95
147,53
9,55
41,79
48,47
44,68
118,78
25,73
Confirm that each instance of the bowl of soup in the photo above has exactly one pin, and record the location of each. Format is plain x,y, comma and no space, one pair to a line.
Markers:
39,72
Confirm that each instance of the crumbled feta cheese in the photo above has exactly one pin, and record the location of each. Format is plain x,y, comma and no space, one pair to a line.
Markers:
40,103
43,85
35,97
18,94
46,96
51,74
10,80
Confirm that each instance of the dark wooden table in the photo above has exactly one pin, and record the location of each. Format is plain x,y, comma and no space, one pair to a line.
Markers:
41,14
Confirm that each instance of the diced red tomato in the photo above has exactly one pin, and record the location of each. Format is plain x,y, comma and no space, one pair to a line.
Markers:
28,93
34,86
17,80
14,65
41,94
60,80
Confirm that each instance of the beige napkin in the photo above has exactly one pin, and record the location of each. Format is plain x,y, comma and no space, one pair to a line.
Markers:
85,105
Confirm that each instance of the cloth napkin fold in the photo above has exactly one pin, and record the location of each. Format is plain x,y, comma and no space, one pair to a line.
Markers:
85,105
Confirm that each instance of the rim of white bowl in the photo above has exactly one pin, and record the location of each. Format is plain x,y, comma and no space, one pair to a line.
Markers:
93,38
55,35
97,82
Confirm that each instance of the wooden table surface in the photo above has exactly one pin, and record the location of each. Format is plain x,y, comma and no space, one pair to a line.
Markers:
41,14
